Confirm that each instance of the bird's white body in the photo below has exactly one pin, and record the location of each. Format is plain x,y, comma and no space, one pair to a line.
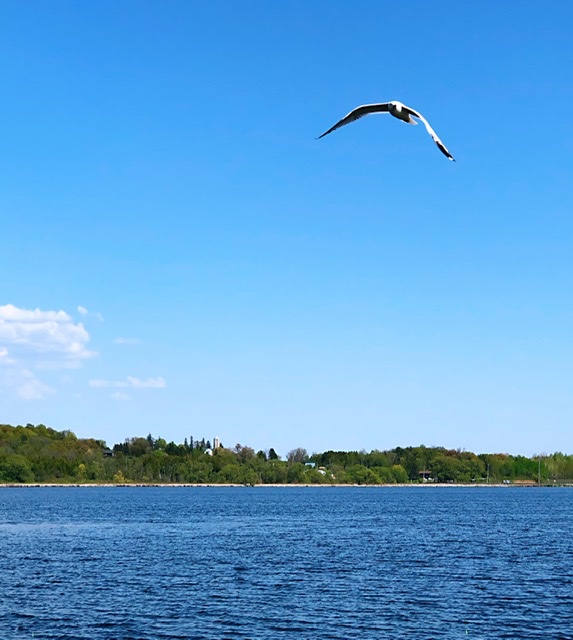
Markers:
396,109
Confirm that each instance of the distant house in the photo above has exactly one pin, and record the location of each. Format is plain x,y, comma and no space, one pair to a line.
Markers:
108,453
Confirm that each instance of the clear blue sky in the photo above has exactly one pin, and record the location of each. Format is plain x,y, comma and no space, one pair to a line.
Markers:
180,256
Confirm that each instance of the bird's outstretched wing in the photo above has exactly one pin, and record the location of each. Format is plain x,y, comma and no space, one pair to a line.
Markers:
357,113
441,145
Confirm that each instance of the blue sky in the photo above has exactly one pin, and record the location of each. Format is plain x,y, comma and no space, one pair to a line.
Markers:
179,255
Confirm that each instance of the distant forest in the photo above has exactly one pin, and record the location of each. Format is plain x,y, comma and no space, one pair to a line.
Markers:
39,454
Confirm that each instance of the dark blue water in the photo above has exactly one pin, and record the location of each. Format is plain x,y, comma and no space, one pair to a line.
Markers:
262,563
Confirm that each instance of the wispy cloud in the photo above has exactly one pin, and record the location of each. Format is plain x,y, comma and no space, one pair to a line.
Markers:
84,312
130,383
150,383
4,358
122,397
23,383
126,341
35,339
31,387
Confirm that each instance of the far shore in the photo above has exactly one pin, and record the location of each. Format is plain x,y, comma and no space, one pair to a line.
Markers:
427,485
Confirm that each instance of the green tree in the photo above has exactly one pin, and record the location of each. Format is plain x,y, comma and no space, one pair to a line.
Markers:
15,468
119,478
274,472
358,474
385,475
446,468
244,453
400,474
296,473
230,474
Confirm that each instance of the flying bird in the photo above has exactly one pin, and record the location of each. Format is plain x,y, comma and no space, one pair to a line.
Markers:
398,110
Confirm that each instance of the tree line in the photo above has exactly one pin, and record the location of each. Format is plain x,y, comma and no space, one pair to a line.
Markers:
40,454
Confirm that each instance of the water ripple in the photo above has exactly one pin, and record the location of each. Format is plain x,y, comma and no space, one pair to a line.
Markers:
215,563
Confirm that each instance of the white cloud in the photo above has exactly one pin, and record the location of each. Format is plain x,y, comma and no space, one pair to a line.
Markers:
31,387
151,383
85,312
118,395
100,383
45,339
32,339
131,383
24,384
4,359
9,312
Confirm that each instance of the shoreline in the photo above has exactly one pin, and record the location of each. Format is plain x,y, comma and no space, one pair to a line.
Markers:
123,485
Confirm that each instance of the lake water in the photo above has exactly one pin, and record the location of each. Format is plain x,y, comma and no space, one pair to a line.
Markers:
221,562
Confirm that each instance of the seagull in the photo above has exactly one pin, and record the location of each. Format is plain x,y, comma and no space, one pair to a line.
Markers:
398,110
